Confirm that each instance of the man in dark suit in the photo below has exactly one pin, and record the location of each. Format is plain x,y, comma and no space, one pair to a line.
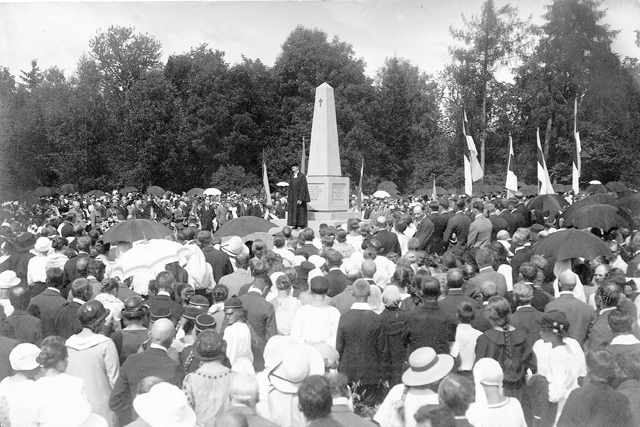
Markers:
458,225
455,296
526,317
46,305
387,238
345,299
436,243
578,313
484,259
360,340
424,227
480,322
219,261
633,267
528,274
154,361
522,253
207,214
260,316
307,249
162,299
497,223
70,271
67,323
512,221
27,328
341,394
337,279
442,326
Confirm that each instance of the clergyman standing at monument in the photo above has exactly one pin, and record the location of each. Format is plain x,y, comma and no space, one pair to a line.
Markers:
297,199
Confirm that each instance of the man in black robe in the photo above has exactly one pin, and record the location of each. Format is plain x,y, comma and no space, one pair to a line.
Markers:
297,199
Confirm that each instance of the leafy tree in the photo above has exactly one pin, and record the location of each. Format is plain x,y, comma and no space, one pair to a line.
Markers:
33,77
123,56
491,40
233,178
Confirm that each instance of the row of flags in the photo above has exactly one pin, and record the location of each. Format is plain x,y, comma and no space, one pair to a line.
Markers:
472,168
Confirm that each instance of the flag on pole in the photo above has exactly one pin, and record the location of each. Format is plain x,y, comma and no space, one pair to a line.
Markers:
544,182
472,168
434,195
512,180
265,181
360,196
575,184
303,162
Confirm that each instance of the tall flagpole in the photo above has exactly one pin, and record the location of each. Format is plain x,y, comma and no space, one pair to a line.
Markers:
575,184
512,179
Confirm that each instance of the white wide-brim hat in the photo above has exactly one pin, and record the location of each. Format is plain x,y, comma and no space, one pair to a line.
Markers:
165,405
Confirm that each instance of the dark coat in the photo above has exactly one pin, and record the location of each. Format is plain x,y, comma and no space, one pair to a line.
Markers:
298,191
219,261
344,300
207,214
253,418
527,319
337,282
424,231
492,344
71,273
393,321
458,224
480,322
512,221
579,314
27,328
596,405
346,417
45,306
163,301
429,326
262,319
436,243
18,263
486,274
151,362
631,389
360,344
450,303
67,323
519,257
498,224
389,241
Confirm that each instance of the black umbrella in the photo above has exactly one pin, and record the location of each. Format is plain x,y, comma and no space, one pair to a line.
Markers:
155,191
596,188
67,189
136,229
95,193
248,191
599,215
572,243
195,192
244,225
43,191
126,190
616,186
547,202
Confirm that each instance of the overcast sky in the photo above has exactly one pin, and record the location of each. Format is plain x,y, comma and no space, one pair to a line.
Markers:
58,33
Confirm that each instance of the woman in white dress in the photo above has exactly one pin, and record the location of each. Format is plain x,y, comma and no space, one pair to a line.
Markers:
285,304
55,386
561,362
238,337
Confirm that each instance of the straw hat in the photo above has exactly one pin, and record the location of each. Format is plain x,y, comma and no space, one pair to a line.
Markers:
234,247
42,245
165,405
8,279
426,367
297,363
23,357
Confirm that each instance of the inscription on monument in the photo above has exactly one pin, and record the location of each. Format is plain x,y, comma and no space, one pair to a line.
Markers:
315,191
339,193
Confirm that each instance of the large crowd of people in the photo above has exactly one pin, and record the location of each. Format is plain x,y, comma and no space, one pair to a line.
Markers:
418,313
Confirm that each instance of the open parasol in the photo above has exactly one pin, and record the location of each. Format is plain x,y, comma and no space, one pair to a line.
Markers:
136,229
572,243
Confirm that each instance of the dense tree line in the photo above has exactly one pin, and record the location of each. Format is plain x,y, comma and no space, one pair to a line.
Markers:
126,118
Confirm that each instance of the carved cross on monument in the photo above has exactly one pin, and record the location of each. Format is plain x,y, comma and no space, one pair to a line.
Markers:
320,101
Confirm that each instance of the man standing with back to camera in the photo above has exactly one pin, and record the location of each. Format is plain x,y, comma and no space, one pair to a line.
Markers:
297,199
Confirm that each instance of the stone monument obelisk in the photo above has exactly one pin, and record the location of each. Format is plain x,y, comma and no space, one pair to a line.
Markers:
328,189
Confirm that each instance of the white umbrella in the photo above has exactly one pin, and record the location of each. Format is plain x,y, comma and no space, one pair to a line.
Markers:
212,192
282,184
150,256
381,194
595,182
